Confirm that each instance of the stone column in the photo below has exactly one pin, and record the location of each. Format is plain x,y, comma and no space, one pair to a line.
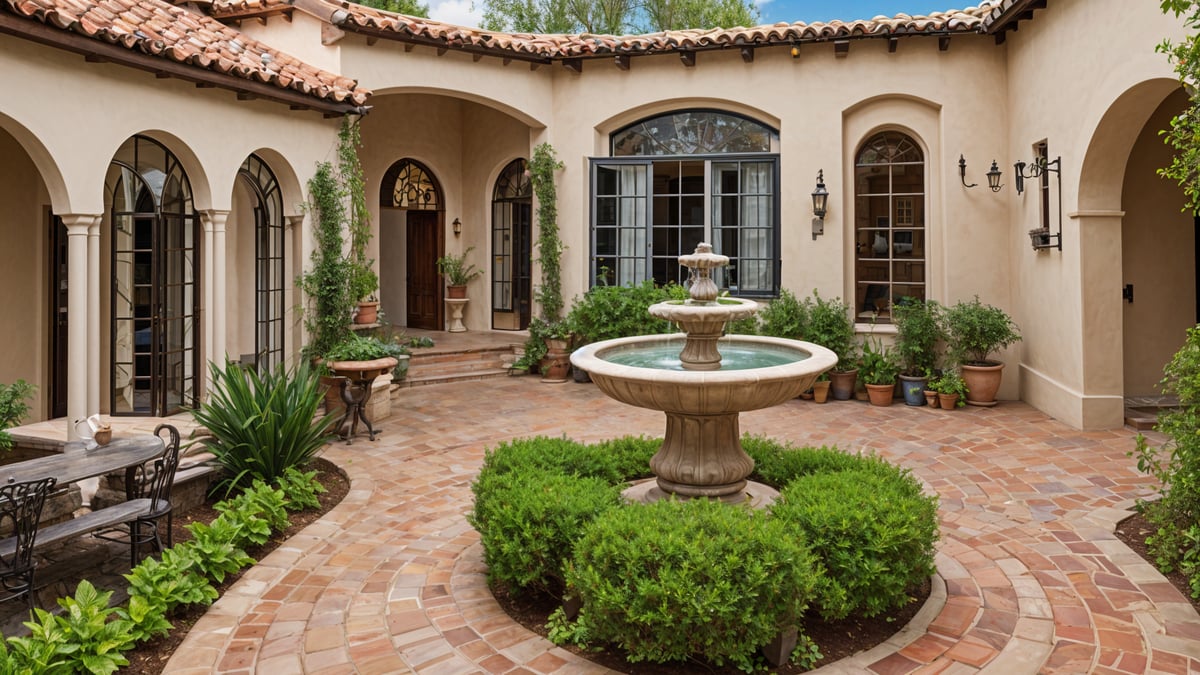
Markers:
214,292
78,326
93,317
292,314
1098,234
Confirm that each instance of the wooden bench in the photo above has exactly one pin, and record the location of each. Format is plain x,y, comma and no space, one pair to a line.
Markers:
102,519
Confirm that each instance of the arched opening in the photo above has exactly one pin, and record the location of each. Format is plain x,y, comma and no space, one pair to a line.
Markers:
889,224
153,296
411,213
512,231
262,218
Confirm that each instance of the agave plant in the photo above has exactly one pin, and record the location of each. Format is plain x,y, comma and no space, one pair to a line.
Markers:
263,423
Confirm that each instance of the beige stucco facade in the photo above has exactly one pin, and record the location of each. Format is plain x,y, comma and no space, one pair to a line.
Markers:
1081,76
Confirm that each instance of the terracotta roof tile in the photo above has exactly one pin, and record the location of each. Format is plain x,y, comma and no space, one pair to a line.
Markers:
157,28
352,16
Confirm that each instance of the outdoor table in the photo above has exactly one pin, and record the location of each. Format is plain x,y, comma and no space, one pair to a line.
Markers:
356,392
76,462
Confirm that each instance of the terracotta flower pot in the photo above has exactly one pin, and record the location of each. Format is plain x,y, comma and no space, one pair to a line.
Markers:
931,398
880,394
368,312
456,292
842,384
983,381
948,401
821,391
556,365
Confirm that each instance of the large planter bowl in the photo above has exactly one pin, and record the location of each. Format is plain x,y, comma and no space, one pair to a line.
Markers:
983,381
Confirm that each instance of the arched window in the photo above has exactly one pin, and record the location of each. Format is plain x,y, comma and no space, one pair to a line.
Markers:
512,227
268,262
409,185
681,178
889,224
154,298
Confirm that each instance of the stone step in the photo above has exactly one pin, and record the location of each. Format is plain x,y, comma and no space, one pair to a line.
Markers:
447,377
457,365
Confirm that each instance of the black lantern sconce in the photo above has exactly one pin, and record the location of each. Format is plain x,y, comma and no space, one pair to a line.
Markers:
1040,167
457,225
820,199
993,175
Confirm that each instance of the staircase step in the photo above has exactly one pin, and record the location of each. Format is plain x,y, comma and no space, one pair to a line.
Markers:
471,364
445,378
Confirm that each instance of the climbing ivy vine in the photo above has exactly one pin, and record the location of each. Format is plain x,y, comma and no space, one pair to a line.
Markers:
1184,134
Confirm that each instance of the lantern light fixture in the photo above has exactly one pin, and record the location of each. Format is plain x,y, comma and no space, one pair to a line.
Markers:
820,198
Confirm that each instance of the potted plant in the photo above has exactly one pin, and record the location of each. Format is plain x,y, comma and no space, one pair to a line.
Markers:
363,280
950,388
974,331
820,388
458,273
829,325
878,369
918,331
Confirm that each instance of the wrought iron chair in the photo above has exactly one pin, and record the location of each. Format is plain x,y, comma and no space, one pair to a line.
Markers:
20,509
150,484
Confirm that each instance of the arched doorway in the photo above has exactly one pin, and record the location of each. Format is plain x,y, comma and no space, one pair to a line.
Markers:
268,264
153,297
512,230
412,194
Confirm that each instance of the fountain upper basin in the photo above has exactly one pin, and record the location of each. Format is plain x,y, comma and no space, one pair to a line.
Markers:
709,392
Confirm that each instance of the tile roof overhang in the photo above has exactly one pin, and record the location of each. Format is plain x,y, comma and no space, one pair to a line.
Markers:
1005,15
546,48
171,41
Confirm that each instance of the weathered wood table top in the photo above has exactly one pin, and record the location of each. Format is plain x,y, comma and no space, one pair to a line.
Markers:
76,463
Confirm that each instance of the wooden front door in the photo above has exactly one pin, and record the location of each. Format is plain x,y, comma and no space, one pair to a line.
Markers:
423,245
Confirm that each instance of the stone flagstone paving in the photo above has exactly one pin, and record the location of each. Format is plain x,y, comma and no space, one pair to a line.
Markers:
1030,578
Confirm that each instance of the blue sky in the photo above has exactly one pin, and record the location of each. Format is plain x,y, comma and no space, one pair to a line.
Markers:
847,10
468,12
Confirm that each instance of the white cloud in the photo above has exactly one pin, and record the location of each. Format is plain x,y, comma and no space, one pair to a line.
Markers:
458,12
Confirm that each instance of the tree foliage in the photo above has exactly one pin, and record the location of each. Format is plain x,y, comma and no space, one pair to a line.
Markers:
615,17
1184,134
406,7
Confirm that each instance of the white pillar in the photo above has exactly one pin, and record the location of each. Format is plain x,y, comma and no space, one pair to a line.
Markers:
77,318
217,312
93,318
206,294
292,310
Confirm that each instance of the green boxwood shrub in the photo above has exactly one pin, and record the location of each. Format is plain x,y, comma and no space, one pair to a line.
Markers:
608,312
784,317
778,464
527,521
873,532
673,581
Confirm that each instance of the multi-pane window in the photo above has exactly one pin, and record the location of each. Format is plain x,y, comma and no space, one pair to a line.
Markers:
268,262
512,207
677,180
889,224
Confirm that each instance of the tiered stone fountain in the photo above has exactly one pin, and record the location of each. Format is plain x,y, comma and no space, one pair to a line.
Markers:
703,381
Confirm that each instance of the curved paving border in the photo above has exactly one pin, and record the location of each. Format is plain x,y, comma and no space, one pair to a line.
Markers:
392,579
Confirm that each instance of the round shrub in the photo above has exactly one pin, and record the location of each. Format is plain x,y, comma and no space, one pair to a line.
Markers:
528,521
778,464
558,455
676,580
873,532
629,455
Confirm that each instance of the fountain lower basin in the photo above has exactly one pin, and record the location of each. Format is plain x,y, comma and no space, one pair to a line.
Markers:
702,454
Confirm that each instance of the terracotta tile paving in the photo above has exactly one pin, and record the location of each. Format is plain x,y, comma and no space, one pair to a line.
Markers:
392,580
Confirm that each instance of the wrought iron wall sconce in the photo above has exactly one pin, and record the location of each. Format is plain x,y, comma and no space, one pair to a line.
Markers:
457,225
993,175
820,197
1042,237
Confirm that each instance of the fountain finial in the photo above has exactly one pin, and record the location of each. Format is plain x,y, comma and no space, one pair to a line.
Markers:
701,263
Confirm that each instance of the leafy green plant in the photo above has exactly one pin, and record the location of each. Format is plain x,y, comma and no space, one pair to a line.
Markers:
778,464
300,489
829,325
674,581
549,245
950,382
14,406
90,637
363,280
1184,134
918,331
171,581
218,554
528,520
1175,465
255,513
263,423
607,312
357,347
456,269
974,330
877,365
784,317
874,534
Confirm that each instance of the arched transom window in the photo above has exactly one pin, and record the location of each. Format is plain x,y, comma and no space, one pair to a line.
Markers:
678,179
409,185
889,224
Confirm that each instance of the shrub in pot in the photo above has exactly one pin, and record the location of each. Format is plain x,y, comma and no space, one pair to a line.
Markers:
974,332
878,369
918,331
829,325
950,388
458,272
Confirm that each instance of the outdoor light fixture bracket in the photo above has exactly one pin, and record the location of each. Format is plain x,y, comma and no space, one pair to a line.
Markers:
993,175
820,197
1042,238
457,225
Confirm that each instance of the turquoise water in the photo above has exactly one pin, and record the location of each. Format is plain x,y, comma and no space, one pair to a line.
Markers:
733,357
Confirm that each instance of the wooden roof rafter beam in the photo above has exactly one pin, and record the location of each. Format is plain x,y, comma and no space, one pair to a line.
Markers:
622,61
944,43
841,48
688,58
410,40
747,54
893,43
574,65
